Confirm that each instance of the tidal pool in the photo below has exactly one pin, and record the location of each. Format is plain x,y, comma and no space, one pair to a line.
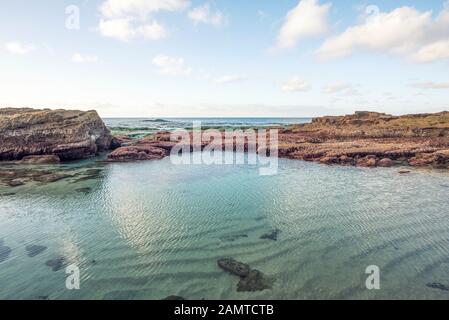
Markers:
148,230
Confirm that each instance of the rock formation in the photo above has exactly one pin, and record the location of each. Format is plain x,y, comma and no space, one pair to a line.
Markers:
64,134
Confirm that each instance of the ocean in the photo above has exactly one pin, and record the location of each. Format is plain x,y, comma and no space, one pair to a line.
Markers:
139,127
148,230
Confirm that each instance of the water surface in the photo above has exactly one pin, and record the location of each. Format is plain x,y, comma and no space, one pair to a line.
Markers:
148,230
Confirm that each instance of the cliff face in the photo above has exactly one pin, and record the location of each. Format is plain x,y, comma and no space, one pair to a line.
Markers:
69,134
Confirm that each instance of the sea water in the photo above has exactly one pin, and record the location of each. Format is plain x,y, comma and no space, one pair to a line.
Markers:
147,230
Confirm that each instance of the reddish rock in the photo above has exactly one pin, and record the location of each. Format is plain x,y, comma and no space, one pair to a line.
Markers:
385,162
137,153
367,162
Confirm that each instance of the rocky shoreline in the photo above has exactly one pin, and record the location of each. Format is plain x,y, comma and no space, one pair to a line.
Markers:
365,139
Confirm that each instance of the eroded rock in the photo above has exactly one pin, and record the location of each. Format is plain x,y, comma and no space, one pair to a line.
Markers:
233,266
68,134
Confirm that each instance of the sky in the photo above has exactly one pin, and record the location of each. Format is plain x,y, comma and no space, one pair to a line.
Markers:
248,58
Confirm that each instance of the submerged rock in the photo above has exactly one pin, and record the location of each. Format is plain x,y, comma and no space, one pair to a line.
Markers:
15,183
233,266
57,263
233,237
68,134
174,298
273,235
250,280
7,194
437,285
4,252
44,159
84,190
51,177
34,250
255,281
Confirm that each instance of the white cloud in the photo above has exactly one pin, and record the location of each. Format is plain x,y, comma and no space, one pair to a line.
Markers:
307,19
295,84
171,66
337,87
404,31
203,14
81,58
128,19
431,85
229,79
125,8
432,52
19,48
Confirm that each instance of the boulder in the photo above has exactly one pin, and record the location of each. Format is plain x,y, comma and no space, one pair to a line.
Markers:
68,134
385,162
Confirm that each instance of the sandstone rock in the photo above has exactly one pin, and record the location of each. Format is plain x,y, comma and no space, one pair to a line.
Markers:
385,162
235,267
45,159
68,134
367,162
136,153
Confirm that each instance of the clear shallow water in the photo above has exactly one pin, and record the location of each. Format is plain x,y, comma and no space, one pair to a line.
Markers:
138,127
155,229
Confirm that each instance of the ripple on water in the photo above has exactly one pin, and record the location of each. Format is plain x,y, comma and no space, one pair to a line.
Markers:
156,230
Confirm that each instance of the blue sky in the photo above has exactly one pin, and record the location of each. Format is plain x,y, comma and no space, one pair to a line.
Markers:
284,58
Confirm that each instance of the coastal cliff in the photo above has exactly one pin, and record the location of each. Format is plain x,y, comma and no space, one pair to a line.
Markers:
64,134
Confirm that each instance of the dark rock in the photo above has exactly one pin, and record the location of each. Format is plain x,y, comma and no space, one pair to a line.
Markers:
34,250
437,285
235,267
4,252
174,298
84,190
255,281
273,235
57,263
7,194
233,237
404,171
